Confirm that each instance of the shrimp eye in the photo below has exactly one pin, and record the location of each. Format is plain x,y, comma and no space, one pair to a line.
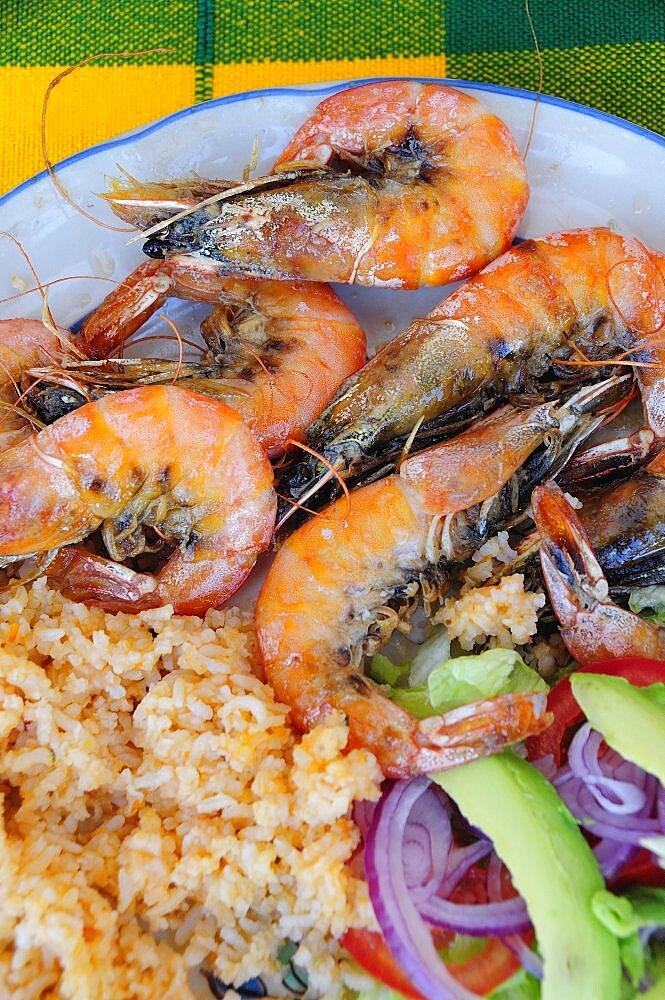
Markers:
154,248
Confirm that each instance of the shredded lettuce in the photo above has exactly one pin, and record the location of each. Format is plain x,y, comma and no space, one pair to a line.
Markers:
624,916
640,906
429,657
384,671
654,976
380,992
471,678
457,682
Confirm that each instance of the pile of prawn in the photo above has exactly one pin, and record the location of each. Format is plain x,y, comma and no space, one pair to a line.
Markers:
445,437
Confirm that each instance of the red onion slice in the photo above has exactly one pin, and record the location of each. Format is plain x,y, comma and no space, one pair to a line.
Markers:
510,916
526,956
406,933
612,856
609,791
460,860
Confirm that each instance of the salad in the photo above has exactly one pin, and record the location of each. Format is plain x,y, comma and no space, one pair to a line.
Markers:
533,873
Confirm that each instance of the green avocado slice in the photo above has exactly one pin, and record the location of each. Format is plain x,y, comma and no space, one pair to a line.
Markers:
552,867
631,719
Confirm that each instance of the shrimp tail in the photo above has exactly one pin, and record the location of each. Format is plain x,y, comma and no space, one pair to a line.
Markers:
592,628
84,576
478,729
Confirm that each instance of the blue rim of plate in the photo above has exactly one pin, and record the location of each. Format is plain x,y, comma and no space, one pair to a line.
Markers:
143,132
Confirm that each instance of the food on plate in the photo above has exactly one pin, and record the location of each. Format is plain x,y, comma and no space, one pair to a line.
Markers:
552,867
628,718
344,581
148,466
164,829
626,527
535,314
395,184
429,857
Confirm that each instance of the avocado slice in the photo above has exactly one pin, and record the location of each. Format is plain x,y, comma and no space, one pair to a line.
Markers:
631,719
552,867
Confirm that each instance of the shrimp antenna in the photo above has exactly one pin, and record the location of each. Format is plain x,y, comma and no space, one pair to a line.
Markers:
134,339
59,186
250,167
41,288
632,261
297,506
620,359
539,57
175,329
310,492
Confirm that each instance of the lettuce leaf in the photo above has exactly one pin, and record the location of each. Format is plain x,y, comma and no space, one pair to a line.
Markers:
521,986
640,906
430,656
380,992
384,671
651,598
624,916
464,679
471,678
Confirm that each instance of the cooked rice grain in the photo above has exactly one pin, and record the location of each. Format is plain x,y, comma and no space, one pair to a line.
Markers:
151,785
505,614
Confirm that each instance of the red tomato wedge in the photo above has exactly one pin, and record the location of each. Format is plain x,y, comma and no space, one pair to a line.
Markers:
480,974
561,702
371,952
640,870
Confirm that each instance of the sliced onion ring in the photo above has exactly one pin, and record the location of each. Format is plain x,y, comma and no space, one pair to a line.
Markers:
405,931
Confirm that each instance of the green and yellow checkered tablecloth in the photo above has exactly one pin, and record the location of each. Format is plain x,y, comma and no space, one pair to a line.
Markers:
605,53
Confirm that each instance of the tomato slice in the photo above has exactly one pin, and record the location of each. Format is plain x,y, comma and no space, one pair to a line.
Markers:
481,974
561,701
370,951
484,972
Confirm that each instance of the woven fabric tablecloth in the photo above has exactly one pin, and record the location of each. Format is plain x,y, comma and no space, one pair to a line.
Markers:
606,53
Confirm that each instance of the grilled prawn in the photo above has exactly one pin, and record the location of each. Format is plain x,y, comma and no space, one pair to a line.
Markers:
152,465
278,350
345,580
580,296
395,183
